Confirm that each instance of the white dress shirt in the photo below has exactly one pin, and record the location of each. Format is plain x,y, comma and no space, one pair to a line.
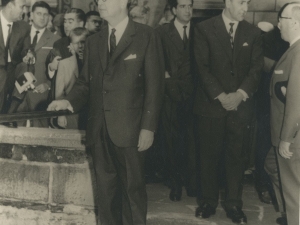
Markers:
180,29
33,32
227,22
120,29
4,24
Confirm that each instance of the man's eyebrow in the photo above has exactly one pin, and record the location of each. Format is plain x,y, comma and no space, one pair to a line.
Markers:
69,19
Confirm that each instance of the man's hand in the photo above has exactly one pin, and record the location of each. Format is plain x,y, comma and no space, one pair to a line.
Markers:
283,90
54,64
41,88
72,49
223,98
145,140
60,105
29,58
234,100
167,75
284,150
62,121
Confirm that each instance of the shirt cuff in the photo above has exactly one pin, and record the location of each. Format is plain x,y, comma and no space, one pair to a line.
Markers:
245,95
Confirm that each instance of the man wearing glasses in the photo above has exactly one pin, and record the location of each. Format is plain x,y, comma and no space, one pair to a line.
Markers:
285,120
122,79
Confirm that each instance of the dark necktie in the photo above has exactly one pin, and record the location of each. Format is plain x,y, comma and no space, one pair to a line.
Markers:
231,34
185,39
113,42
7,42
34,41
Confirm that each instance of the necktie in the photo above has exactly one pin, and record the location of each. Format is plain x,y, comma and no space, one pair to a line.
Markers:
7,42
185,39
231,34
34,41
113,42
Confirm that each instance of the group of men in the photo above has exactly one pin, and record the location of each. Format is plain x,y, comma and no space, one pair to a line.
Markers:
131,76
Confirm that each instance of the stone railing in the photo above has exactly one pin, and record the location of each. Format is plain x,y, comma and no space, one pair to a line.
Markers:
48,173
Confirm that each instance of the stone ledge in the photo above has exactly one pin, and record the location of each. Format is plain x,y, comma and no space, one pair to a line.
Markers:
69,139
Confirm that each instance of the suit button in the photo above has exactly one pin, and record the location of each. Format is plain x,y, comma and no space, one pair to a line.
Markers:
104,92
140,75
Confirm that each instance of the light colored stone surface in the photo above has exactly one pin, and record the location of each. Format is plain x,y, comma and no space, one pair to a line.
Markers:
24,181
250,17
262,5
72,139
280,3
73,185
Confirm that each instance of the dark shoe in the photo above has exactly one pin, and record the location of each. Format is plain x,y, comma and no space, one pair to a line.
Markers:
236,215
175,194
281,220
205,211
265,197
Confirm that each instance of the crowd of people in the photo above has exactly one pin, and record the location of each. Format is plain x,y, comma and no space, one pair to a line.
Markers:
192,89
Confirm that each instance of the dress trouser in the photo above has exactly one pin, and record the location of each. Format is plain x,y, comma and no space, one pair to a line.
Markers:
290,179
271,167
121,188
230,134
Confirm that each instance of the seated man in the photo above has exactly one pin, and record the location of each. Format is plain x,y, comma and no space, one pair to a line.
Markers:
67,74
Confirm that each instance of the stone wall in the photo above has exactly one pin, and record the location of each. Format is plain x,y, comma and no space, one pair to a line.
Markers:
47,171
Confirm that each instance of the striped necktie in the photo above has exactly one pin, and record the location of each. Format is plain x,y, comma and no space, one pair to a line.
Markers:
231,34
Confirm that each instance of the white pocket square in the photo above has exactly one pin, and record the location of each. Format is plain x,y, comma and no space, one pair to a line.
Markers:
47,47
131,56
245,44
278,71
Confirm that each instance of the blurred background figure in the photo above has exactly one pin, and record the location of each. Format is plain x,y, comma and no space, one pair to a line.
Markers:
50,22
58,24
139,11
93,22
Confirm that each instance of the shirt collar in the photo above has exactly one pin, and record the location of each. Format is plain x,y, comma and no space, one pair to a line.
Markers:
295,40
227,21
33,30
120,27
180,25
4,20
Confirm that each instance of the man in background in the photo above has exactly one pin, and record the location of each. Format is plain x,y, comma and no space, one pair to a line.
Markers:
93,22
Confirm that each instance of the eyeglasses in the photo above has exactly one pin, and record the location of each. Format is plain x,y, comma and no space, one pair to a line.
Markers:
283,17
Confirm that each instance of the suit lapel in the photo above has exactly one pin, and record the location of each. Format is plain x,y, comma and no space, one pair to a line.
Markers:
175,37
2,46
223,36
239,39
103,46
14,37
124,42
43,40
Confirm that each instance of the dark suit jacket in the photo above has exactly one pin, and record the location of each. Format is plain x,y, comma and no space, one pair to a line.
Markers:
179,86
128,93
285,120
20,30
222,69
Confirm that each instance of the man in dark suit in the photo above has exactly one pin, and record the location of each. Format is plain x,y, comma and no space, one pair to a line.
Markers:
122,79
12,42
228,52
177,110
41,40
285,118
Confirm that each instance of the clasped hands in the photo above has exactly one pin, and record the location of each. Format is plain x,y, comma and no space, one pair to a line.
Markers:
29,58
230,101
146,137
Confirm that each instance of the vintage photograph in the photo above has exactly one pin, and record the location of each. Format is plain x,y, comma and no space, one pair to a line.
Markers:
157,112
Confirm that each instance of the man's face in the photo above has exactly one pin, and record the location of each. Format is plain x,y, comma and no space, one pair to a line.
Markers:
285,23
78,43
17,8
93,24
183,11
40,17
110,8
237,9
71,22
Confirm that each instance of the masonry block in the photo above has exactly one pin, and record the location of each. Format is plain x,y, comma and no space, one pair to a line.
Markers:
23,181
265,16
280,3
49,154
6,151
262,5
73,185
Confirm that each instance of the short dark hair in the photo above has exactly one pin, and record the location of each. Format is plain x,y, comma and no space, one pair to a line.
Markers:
80,15
174,3
5,2
79,31
41,4
91,13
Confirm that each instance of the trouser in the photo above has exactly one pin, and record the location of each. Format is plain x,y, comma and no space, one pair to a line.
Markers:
271,167
215,135
121,188
290,179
